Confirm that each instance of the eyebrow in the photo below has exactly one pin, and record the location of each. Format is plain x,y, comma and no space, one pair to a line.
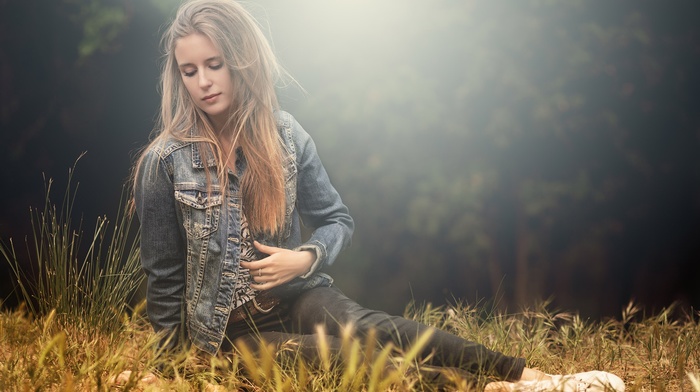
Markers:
210,59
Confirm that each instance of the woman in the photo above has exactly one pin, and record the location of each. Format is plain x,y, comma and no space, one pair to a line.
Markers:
220,194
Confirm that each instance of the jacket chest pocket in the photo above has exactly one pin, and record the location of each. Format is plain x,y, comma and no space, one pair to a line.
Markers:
200,212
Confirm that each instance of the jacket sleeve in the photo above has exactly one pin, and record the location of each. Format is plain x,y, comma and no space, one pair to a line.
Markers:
319,204
162,248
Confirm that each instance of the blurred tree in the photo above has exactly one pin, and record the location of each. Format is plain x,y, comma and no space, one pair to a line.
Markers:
64,66
486,149
520,150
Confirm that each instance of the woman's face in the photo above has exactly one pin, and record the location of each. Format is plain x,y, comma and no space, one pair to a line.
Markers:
205,76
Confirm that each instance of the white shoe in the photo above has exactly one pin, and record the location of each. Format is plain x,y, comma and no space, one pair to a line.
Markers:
594,381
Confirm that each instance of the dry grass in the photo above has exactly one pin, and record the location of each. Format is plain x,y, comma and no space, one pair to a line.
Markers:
655,353
74,334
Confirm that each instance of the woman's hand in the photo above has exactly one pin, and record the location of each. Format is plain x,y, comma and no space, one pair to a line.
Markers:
281,266
123,378
151,380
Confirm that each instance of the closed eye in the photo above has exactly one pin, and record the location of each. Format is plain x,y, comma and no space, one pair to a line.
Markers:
214,67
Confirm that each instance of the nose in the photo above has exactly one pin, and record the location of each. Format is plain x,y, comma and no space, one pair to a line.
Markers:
204,80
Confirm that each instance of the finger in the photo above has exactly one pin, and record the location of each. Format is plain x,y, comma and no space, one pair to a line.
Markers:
209,387
266,285
254,266
149,378
121,379
124,377
262,274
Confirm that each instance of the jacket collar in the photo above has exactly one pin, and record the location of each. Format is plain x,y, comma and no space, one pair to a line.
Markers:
198,163
197,156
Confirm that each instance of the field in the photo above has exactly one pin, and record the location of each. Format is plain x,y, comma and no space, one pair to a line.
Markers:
651,353
75,332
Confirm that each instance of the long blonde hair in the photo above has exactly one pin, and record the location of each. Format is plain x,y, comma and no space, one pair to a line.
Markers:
255,70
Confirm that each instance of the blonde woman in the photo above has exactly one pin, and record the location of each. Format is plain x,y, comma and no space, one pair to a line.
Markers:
221,193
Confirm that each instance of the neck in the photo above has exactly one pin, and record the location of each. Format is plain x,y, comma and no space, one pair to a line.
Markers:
218,124
228,150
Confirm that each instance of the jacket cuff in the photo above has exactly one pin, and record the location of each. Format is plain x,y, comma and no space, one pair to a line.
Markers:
318,262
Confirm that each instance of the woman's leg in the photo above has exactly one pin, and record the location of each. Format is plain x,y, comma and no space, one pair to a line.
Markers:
294,327
274,328
329,307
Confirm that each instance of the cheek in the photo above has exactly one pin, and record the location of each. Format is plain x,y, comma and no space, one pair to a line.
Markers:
188,85
191,89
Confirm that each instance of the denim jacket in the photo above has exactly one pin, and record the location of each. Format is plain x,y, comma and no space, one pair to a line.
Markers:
190,237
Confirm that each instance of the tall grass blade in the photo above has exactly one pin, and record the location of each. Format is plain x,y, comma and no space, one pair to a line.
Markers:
694,381
92,290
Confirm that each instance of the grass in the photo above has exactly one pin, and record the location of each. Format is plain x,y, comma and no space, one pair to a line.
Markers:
74,332
654,353
79,283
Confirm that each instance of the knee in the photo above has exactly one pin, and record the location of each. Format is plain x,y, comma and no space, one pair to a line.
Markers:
327,306
308,310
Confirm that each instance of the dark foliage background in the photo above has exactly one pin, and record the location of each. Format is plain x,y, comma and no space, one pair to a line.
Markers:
501,151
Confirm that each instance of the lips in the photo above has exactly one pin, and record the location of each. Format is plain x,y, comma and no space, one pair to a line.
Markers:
211,97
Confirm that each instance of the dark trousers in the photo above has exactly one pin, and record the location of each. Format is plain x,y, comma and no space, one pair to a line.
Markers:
297,321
